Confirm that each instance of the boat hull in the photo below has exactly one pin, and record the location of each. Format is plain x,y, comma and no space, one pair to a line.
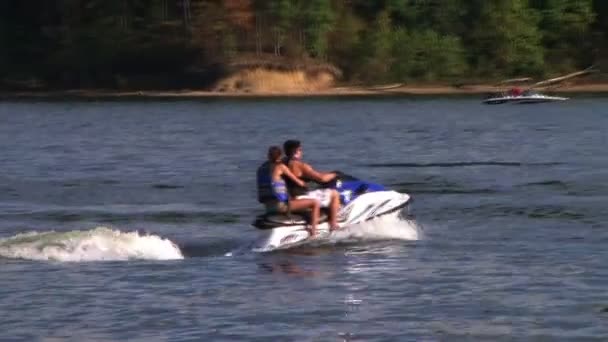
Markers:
294,231
523,99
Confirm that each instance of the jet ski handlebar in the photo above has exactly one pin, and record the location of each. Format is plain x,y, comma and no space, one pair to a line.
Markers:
340,177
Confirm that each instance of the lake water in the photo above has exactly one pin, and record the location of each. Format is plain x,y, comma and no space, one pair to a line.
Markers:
131,221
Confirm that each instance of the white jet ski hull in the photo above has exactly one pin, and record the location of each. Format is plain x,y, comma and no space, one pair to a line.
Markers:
364,208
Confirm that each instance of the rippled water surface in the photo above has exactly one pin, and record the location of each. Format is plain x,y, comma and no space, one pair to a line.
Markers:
131,221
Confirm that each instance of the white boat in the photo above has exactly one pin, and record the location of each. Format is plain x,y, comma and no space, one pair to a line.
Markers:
362,202
530,95
522,99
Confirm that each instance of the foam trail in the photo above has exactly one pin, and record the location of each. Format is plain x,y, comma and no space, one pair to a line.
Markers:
383,228
99,244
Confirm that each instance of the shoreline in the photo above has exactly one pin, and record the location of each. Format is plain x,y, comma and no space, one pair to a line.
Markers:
394,90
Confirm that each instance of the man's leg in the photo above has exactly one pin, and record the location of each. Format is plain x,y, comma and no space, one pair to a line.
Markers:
328,198
334,206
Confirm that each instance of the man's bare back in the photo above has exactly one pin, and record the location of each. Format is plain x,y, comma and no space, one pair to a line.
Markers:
329,198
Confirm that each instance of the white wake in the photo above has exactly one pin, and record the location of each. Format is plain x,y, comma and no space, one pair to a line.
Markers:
97,244
383,228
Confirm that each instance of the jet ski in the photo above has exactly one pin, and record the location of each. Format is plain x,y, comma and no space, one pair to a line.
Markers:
361,201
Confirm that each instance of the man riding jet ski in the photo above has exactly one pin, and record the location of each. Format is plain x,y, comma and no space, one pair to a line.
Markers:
361,201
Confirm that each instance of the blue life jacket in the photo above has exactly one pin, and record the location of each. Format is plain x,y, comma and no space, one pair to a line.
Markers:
269,191
264,181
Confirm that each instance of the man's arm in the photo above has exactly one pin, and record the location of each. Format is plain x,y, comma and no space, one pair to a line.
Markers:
293,177
320,177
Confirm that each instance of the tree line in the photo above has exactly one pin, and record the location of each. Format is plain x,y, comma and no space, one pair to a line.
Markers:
174,43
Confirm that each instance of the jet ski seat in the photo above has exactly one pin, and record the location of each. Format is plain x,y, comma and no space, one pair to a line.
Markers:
273,220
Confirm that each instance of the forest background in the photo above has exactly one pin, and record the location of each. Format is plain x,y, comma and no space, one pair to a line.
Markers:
175,44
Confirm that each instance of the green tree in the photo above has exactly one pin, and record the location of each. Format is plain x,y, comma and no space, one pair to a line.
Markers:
318,21
283,14
566,28
404,53
427,55
443,17
376,48
600,31
505,39
211,33
344,41
4,57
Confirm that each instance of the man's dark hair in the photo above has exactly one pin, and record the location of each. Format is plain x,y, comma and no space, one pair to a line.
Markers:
290,147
